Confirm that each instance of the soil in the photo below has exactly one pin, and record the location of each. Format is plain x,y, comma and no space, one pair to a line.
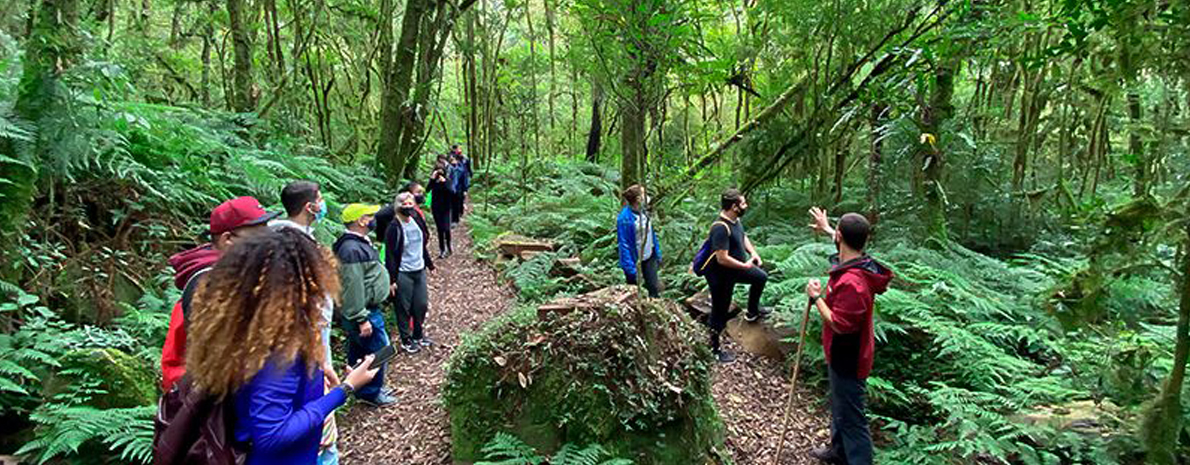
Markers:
465,292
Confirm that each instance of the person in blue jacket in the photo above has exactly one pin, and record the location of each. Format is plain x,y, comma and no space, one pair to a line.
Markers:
640,252
255,339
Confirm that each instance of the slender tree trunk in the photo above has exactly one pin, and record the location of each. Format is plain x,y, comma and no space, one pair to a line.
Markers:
549,26
1162,423
632,132
874,161
242,99
533,81
473,132
208,35
1140,185
596,133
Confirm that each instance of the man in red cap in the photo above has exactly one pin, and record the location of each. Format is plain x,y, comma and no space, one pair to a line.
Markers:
230,221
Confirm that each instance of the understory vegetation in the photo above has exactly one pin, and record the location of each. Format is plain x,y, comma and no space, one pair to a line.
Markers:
1024,164
978,357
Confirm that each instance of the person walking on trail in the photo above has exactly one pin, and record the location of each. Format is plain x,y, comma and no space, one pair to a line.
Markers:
733,260
385,216
441,203
847,336
304,207
365,288
461,168
230,222
640,253
255,345
407,260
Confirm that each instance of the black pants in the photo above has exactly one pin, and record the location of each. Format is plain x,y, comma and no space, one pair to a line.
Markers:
456,208
413,300
851,441
648,270
722,283
442,214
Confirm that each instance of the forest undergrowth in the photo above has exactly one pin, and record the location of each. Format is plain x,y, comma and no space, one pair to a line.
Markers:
973,361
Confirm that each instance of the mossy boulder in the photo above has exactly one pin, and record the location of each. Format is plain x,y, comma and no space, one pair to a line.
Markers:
630,374
125,381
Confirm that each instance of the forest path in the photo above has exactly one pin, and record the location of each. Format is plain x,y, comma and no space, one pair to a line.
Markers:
465,292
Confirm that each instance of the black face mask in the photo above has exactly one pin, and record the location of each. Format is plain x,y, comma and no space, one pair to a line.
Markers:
406,211
740,212
420,199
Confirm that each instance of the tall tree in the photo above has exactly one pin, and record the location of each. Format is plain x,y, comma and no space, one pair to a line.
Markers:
243,99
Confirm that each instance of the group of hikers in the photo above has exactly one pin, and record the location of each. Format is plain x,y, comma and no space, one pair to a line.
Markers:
247,360
845,305
246,363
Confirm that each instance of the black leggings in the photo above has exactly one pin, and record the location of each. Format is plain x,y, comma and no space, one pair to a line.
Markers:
442,225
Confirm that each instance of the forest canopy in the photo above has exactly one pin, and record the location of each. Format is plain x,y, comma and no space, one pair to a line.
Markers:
1024,165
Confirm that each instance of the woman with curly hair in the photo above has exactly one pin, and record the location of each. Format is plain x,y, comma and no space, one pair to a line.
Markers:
255,337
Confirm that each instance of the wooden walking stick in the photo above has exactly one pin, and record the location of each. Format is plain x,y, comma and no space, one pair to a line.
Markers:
797,364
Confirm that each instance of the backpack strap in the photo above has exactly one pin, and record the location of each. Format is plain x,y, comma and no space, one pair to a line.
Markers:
711,256
188,293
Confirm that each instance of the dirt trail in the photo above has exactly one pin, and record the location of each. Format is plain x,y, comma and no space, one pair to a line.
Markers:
465,293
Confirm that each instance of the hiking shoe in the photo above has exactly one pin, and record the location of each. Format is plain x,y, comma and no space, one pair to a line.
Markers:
382,400
762,313
825,455
410,347
441,255
425,342
724,356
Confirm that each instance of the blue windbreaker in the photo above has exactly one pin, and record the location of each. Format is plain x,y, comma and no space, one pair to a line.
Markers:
626,232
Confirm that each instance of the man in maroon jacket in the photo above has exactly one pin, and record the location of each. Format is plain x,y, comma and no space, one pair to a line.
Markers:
847,337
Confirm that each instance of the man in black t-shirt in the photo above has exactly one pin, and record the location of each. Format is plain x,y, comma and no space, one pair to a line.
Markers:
735,261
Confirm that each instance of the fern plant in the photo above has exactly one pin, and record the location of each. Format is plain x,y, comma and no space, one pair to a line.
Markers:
66,429
506,449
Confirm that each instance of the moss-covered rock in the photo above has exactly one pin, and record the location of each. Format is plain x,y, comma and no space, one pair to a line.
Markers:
125,381
633,377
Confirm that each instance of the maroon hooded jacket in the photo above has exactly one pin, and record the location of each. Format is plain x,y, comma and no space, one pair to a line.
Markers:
850,343
173,354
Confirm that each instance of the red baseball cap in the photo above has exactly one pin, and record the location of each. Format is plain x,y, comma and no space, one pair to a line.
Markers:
237,213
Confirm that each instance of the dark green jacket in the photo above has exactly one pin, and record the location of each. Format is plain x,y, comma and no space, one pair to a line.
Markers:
365,281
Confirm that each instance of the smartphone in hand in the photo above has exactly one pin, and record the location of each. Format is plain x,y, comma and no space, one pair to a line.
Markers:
383,355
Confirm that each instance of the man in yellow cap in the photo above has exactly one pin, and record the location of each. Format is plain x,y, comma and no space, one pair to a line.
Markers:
365,289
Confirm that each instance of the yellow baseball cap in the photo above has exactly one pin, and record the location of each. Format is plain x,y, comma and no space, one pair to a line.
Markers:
355,211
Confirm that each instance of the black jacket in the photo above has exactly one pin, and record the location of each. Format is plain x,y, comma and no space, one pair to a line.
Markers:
394,246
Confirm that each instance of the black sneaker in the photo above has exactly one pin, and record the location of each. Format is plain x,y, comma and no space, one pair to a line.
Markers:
762,313
825,455
382,400
724,356
441,255
410,347
424,342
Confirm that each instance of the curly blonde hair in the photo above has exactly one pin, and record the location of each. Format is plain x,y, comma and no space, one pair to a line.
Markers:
262,301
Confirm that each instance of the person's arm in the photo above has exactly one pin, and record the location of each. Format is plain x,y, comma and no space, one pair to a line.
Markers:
626,235
354,297
273,422
752,252
847,314
820,223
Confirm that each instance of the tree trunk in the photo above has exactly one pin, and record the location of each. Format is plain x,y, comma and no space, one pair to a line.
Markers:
533,81
874,161
1140,185
632,132
930,156
595,135
208,36
396,91
53,47
473,133
1162,424
242,99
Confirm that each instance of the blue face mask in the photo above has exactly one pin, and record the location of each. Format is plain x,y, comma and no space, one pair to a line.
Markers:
321,211
372,225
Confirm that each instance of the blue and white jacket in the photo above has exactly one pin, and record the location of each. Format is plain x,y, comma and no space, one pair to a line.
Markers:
626,232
